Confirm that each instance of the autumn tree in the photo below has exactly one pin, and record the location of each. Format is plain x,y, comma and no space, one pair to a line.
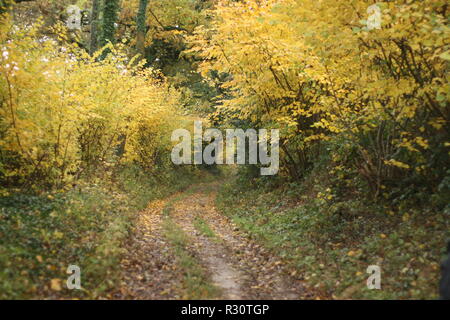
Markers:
289,62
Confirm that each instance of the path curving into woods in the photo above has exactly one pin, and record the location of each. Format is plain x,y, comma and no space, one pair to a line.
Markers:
183,248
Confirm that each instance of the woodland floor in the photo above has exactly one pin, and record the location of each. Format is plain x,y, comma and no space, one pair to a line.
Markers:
183,248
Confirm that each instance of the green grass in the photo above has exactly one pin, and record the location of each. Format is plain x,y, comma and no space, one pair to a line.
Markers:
202,226
42,236
333,241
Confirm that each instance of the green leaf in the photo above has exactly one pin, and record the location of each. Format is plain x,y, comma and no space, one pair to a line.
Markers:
445,55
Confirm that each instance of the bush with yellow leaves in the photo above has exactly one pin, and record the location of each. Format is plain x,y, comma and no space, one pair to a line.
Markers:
63,113
375,99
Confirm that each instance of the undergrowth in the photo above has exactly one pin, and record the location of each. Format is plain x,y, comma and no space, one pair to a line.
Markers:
330,237
42,234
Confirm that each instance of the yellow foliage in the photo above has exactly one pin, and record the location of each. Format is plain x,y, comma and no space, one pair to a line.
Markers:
318,70
63,111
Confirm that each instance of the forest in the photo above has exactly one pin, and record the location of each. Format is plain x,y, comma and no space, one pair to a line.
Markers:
93,205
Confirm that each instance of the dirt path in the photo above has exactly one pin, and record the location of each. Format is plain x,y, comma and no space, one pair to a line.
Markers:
150,271
234,265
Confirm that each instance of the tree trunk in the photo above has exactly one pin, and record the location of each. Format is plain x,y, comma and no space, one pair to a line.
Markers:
141,27
93,46
110,14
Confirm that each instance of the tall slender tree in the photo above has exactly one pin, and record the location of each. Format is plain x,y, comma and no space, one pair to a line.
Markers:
141,27
110,15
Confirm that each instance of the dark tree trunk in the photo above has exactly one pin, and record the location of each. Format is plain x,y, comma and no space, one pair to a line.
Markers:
110,14
141,27
93,46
